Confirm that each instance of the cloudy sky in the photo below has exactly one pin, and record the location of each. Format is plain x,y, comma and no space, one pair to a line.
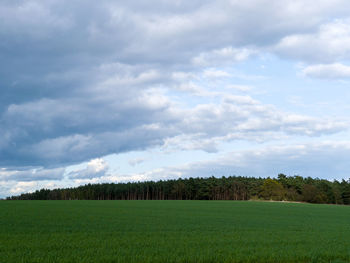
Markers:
115,91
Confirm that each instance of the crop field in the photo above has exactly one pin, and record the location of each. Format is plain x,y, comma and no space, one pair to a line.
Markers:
173,231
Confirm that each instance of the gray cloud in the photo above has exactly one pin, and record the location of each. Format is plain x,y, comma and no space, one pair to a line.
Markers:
33,174
80,80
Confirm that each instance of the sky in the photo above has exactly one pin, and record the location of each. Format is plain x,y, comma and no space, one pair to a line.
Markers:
118,91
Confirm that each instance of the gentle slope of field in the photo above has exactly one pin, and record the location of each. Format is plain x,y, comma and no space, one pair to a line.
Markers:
172,231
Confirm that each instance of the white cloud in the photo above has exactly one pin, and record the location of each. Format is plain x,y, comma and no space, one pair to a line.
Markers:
214,73
22,187
327,71
136,161
243,88
227,55
325,159
243,118
329,44
95,168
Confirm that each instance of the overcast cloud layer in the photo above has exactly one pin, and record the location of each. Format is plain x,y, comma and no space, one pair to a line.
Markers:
81,80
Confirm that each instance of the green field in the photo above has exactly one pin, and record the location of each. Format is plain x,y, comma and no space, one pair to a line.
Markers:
173,231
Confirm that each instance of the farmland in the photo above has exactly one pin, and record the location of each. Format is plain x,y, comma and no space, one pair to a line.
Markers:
173,231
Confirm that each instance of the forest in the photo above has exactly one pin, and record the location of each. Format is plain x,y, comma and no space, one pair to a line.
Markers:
282,188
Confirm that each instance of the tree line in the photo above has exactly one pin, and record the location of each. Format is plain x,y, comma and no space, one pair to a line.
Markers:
288,188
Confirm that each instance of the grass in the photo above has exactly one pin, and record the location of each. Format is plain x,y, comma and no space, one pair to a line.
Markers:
172,231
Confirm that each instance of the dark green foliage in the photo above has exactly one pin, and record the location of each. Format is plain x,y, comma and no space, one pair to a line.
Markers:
225,188
289,188
345,195
272,190
172,231
313,195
